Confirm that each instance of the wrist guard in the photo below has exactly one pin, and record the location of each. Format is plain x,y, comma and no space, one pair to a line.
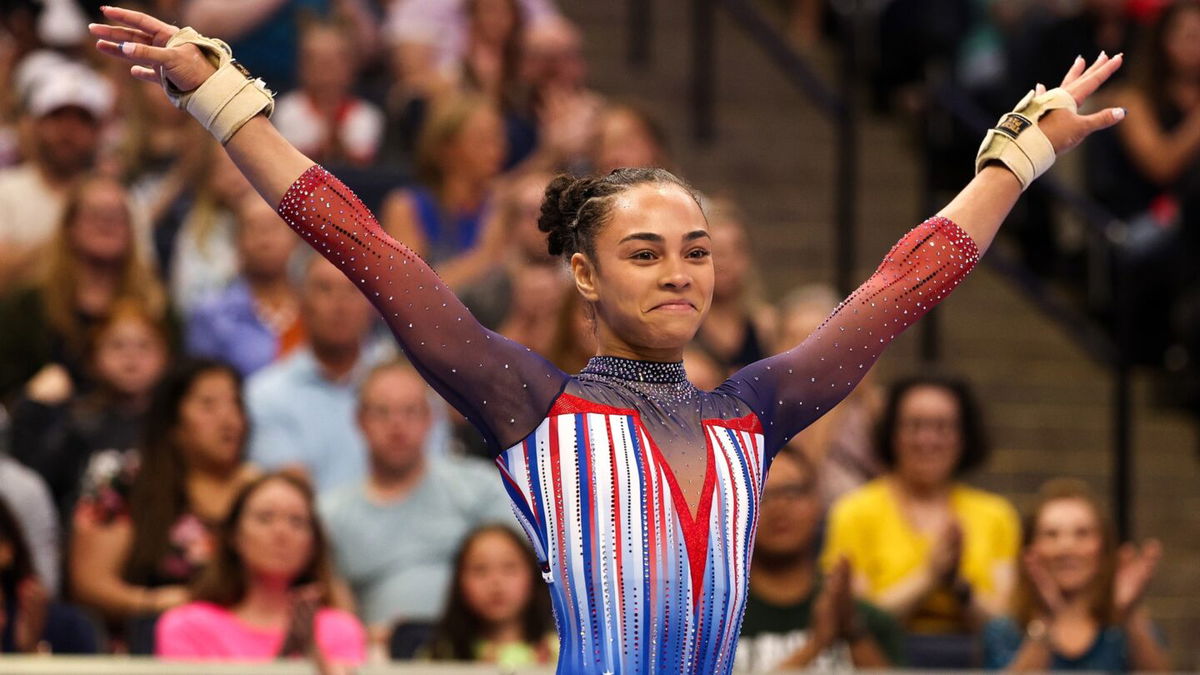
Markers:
1018,143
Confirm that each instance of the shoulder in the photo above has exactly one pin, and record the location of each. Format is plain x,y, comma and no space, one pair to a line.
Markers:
342,501
275,380
974,502
195,616
864,500
338,622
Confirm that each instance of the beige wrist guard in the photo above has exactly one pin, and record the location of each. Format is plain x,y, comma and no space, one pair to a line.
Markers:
1018,143
229,98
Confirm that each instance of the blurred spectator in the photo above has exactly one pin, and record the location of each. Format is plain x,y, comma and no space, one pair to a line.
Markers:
200,254
256,319
628,136
321,376
518,290
32,508
431,38
740,326
1079,599
265,33
839,443
323,118
702,370
936,553
1050,36
433,500
57,433
30,620
91,262
66,104
458,160
498,610
795,618
142,528
269,590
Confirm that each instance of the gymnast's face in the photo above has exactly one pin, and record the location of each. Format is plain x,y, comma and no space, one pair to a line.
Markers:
652,278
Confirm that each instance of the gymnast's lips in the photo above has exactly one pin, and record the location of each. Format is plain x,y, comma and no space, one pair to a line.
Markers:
674,305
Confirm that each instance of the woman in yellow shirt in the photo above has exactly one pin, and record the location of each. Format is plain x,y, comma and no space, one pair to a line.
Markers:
938,554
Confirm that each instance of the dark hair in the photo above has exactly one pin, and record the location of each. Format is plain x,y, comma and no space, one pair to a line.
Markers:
975,446
224,580
575,208
159,492
1156,75
22,558
459,629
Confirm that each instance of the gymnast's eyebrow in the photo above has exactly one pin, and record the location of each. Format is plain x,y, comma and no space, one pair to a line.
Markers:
658,238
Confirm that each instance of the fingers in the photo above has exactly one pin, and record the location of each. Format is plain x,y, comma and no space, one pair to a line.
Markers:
140,21
140,54
1099,72
1076,70
145,74
119,34
1103,119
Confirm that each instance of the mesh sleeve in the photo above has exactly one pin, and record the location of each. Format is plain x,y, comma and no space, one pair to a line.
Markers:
503,388
791,390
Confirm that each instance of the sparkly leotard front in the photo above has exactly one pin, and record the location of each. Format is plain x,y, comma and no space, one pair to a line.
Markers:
638,492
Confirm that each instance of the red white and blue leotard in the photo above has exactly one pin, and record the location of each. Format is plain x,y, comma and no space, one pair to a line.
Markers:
638,492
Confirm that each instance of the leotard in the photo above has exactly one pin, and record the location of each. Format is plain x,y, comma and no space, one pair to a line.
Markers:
638,492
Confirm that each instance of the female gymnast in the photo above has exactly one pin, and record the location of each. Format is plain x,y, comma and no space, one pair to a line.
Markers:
638,492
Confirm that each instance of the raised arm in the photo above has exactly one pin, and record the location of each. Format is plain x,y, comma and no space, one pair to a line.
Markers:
791,390
502,387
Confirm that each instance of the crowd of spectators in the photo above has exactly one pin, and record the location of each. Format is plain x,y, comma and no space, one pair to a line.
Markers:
213,450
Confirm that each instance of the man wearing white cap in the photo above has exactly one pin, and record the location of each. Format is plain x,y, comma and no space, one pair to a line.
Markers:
67,104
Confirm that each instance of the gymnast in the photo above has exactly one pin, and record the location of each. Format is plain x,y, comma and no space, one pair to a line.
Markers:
638,491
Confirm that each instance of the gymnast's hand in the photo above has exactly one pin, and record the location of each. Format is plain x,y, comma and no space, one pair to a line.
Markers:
140,38
1066,129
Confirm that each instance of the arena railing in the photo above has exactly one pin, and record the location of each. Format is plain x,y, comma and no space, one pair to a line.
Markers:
1109,345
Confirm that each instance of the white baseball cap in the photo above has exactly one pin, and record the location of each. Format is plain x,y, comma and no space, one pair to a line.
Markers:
69,85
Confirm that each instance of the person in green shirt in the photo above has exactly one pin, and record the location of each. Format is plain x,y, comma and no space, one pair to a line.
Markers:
795,618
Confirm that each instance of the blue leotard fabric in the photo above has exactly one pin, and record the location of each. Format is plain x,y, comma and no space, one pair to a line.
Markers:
639,492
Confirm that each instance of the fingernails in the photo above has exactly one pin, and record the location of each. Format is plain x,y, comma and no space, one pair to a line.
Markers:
127,47
1103,55
1119,113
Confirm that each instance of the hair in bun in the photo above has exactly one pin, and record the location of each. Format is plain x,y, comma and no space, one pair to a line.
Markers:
575,208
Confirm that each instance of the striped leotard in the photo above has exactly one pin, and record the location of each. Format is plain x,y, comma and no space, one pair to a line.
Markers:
638,492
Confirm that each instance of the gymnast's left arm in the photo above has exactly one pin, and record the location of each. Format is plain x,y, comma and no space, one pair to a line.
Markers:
791,390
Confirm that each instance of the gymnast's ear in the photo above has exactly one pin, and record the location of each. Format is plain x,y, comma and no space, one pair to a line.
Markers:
583,271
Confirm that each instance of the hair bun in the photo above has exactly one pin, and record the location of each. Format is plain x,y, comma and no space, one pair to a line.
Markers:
565,195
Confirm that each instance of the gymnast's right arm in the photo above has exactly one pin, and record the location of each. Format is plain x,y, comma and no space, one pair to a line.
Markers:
502,387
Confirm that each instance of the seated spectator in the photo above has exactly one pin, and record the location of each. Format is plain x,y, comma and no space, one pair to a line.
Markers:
32,508
795,618
323,118
628,136
839,443
935,552
459,156
498,610
433,500
57,433
92,261
268,591
519,291
143,527
66,104
740,326
30,620
196,228
255,320
321,376
1078,604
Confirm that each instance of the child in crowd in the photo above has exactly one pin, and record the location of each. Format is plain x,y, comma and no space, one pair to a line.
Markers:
499,611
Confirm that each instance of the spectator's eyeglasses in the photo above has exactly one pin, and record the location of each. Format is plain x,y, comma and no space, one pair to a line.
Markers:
791,492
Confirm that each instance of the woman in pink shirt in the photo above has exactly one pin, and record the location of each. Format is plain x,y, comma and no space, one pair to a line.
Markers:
267,593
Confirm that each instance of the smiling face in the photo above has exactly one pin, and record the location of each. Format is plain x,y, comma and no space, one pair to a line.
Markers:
651,281
928,437
1068,540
